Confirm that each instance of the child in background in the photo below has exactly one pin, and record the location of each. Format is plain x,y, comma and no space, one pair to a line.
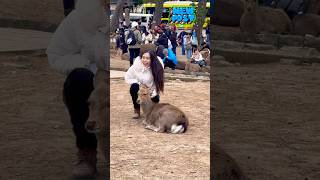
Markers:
197,58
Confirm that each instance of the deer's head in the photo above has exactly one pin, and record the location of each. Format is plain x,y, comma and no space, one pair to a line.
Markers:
143,94
250,5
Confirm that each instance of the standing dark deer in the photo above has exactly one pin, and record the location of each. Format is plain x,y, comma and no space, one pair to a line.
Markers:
161,117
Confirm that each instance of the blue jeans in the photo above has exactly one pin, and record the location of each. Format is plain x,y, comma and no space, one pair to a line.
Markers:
183,50
189,54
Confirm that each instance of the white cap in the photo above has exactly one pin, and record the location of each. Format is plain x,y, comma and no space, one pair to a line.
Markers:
134,24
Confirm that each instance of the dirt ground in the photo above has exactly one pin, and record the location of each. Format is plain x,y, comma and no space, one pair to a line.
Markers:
37,140
267,118
138,153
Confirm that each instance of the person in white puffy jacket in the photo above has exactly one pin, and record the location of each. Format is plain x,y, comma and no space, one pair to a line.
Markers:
147,69
74,49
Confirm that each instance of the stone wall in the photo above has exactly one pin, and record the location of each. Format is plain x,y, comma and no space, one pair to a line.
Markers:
277,40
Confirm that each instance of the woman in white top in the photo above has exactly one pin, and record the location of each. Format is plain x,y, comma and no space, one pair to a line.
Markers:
147,69
197,58
146,36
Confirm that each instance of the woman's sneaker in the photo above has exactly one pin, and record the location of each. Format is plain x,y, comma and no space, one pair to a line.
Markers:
136,114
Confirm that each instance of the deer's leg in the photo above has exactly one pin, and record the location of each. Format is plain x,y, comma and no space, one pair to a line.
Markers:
91,124
100,113
101,146
159,129
152,127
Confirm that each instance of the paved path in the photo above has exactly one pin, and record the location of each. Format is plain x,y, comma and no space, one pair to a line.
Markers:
116,74
23,40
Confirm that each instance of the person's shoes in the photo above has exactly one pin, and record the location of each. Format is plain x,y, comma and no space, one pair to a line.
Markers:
86,165
136,114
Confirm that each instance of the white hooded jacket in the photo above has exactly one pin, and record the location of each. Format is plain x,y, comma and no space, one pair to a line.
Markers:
78,42
139,74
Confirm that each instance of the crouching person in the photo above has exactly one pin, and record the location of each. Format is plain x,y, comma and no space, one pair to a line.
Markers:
147,69
197,58
73,51
170,59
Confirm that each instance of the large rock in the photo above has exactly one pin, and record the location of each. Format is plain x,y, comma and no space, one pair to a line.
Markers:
227,12
224,166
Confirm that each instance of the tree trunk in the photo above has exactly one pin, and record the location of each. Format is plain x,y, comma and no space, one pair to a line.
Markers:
127,16
115,18
158,13
201,15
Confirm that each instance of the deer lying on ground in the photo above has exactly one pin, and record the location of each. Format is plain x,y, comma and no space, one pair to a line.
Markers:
257,19
307,24
161,117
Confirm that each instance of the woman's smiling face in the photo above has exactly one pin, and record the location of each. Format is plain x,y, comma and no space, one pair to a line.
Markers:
146,59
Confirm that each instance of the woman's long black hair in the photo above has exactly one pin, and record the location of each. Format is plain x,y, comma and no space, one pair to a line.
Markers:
144,30
157,71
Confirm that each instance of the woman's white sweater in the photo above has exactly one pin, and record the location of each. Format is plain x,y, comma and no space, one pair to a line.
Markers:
140,74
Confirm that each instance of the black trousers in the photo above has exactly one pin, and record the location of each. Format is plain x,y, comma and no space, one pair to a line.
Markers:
134,95
77,89
68,6
170,64
134,52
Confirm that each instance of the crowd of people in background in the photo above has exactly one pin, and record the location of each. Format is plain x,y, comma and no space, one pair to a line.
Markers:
166,38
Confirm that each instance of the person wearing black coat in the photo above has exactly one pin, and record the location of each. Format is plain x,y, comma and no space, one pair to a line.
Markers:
163,39
173,39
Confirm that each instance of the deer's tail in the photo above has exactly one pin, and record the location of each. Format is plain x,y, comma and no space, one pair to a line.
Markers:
180,127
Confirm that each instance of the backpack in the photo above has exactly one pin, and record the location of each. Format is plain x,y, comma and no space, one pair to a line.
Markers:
131,38
166,40
122,40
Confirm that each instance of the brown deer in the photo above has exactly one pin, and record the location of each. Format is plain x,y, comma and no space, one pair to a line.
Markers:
97,108
257,19
307,24
161,117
